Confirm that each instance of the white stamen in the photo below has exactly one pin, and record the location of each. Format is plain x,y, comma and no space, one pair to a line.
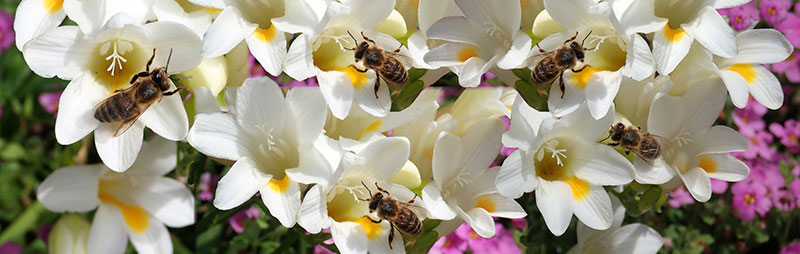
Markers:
273,144
116,57
682,139
551,146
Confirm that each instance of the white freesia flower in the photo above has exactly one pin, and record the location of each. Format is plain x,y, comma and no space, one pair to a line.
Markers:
321,50
429,12
635,97
195,17
212,75
743,74
35,17
99,65
134,205
616,51
271,139
697,151
463,188
562,161
251,21
70,235
632,238
336,202
486,37
92,16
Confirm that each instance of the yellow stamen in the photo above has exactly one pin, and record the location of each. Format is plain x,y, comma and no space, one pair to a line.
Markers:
135,217
370,128
580,188
466,53
746,70
279,186
708,164
749,199
673,36
265,35
486,203
52,6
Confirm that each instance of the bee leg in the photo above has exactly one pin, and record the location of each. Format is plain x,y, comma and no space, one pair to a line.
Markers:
357,69
373,220
398,48
561,84
412,199
140,74
149,62
173,91
540,48
573,37
377,86
579,70
614,144
391,235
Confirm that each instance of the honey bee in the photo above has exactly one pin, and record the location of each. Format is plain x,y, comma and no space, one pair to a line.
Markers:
404,216
390,65
552,64
633,139
125,106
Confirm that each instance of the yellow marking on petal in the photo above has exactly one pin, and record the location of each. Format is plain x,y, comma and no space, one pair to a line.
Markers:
279,186
746,70
486,203
52,6
370,128
135,217
372,229
580,188
580,79
359,79
708,164
212,11
673,36
466,53
265,35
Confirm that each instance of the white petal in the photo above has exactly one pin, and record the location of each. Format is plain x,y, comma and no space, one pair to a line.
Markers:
516,55
636,17
503,14
437,207
93,17
269,54
698,183
711,30
594,209
63,51
469,74
432,11
155,239
216,4
301,16
107,234
447,158
178,38
664,112
524,124
762,46
447,54
600,91
349,237
574,14
32,19
482,144
650,174
241,182
70,189
719,139
157,158
378,11
283,204
261,104
167,118
602,165
669,52
228,29
766,88
418,47
118,153
338,91
573,98
318,163
167,200
722,4
197,21
555,204
737,87
506,207
217,135
313,211
365,97
728,168
581,125
308,108
299,63
481,221
703,102
384,158
639,61
75,119
511,181
634,238
457,29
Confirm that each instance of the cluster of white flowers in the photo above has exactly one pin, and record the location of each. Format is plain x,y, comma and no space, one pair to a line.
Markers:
309,152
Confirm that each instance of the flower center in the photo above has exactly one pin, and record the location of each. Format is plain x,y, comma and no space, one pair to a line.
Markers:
276,153
134,216
771,10
551,161
117,61
682,139
346,206
749,198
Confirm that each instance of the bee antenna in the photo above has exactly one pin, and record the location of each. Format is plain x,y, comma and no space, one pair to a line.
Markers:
354,38
584,38
168,58
365,186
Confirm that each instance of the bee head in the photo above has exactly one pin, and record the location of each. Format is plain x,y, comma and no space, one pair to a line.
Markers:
578,49
362,47
161,78
616,131
373,203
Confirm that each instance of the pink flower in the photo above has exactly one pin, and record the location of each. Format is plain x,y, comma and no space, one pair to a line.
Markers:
240,220
718,186
790,27
789,133
451,243
319,249
791,248
256,70
782,200
294,83
741,17
789,67
749,199
774,11
769,175
49,101
750,118
680,197
208,183
10,247
759,145
520,223
6,30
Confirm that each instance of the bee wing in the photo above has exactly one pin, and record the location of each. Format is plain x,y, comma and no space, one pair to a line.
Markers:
405,60
109,98
663,143
535,59
420,211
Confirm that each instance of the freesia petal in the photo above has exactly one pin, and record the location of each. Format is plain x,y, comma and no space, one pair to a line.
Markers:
600,92
338,91
711,30
469,74
639,61
157,158
594,210
241,182
762,46
118,153
437,207
313,211
349,237
216,4
668,52
217,135
197,21
431,11
636,17
656,173
283,203
447,158
583,128
737,87
308,108
697,183
703,103
63,51
511,181
270,54
178,39
449,54
602,165
663,112
299,63
722,4
378,11
228,29
503,14
261,104
418,47
384,157
167,118
719,139
107,234
506,207
524,124
33,18
573,98
365,97
93,17
555,204
457,29
166,199
516,55
301,16
766,88
634,238
481,221
70,189
75,119
318,163
574,14
728,168
482,144
155,239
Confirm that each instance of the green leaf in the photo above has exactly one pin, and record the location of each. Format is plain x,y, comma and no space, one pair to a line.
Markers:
407,95
531,95
426,239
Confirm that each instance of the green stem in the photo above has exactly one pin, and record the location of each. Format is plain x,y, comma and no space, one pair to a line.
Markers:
27,221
